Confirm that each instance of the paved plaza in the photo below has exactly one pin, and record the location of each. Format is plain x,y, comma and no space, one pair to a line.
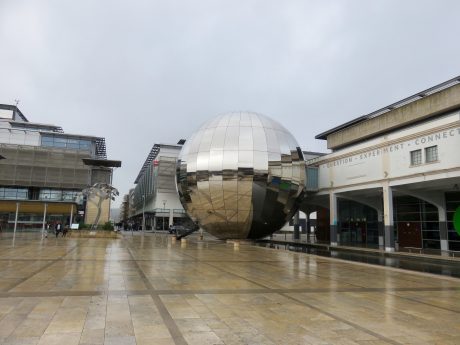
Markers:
150,290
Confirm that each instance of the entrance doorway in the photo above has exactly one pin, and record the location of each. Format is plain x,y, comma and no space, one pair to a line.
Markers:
358,224
416,222
409,234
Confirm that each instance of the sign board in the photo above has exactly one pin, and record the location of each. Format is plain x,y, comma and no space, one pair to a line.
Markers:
74,226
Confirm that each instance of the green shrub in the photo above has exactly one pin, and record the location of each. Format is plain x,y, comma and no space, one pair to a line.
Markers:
107,226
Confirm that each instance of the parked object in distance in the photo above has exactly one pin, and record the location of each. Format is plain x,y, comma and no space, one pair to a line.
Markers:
241,175
177,229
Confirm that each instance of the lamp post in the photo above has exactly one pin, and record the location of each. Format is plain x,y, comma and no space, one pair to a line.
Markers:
143,214
164,210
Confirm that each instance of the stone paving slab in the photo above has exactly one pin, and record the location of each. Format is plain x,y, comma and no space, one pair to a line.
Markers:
150,290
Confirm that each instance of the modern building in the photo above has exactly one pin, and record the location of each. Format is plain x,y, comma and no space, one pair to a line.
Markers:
44,170
124,209
155,197
392,179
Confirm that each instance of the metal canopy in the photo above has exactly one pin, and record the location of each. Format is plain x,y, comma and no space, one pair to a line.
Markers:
152,155
37,126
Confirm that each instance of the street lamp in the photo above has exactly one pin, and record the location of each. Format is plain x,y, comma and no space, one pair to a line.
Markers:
164,210
143,214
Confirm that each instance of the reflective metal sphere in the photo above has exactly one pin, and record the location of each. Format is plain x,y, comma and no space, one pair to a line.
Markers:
241,175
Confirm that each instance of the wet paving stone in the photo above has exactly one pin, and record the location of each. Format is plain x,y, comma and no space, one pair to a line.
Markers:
151,290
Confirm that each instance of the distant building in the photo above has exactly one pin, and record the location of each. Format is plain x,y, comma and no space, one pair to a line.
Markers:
155,195
124,209
43,170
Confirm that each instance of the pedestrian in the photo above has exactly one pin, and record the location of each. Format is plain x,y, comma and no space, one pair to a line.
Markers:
47,228
66,229
58,228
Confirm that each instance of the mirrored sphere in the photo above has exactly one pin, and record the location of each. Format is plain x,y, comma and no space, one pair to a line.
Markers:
241,175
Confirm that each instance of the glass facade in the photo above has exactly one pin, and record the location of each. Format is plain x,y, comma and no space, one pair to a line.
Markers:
13,193
417,223
145,187
452,203
67,143
358,223
58,194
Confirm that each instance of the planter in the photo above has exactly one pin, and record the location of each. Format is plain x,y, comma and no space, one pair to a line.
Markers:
93,234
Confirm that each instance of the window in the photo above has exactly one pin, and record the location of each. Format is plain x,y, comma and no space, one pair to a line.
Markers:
431,154
416,157
47,141
69,195
85,145
13,193
60,142
68,143
50,194
72,144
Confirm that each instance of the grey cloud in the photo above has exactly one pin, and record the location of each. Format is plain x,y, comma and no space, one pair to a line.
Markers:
139,72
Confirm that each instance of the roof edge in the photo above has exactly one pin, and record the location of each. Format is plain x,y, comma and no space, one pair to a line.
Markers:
415,97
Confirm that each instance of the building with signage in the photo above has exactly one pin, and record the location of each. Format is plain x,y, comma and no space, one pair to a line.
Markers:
43,170
392,179
154,198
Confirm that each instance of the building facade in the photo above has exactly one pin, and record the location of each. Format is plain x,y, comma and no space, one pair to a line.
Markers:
155,197
392,179
43,171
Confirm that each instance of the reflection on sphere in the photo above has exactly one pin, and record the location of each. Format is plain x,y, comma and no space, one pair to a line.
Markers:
241,175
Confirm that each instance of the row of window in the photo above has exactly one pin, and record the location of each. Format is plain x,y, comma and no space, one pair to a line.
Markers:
431,155
12,193
67,143
57,195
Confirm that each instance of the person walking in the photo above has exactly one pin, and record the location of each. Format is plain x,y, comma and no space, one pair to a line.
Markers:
47,228
58,228
65,230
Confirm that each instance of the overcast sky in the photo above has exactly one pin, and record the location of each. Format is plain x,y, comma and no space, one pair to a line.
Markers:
145,72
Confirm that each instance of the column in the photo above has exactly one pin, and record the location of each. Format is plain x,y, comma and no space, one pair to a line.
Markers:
16,218
380,227
443,226
389,239
71,216
171,216
45,206
308,227
333,216
296,226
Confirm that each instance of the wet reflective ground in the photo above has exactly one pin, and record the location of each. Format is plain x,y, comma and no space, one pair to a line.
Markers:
414,263
151,290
